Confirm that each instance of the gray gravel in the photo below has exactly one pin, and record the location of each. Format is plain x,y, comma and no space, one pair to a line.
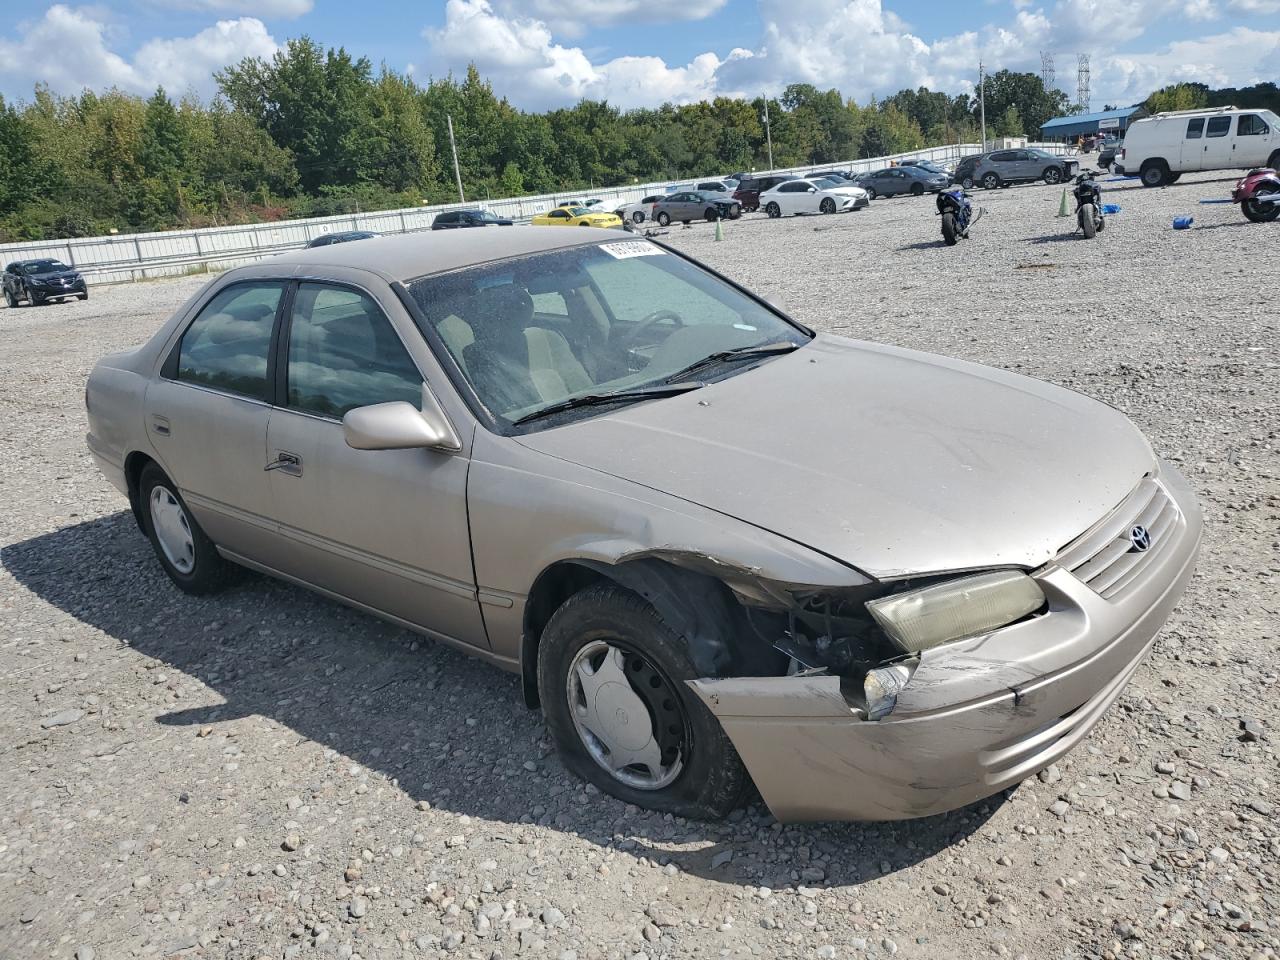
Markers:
266,774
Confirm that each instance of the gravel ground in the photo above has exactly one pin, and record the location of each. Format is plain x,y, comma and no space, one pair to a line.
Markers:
266,774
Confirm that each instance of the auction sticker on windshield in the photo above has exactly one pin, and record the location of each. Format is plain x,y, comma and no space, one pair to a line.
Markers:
632,248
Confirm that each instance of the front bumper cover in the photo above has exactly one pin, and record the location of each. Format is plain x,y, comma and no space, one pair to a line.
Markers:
978,716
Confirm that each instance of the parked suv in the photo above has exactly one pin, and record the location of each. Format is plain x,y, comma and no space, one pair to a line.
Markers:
460,219
39,281
1160,149
749,190
1002,167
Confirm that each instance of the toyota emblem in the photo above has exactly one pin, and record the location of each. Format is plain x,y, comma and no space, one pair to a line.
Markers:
1140,537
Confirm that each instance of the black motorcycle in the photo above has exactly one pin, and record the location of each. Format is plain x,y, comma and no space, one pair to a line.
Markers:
1088,205
956,210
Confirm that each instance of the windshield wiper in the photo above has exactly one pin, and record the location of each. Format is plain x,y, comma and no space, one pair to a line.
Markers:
737,353
600,399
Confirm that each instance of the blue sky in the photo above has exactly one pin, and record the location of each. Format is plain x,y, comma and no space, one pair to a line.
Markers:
543,53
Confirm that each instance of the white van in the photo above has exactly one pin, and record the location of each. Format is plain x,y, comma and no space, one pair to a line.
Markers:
1160,149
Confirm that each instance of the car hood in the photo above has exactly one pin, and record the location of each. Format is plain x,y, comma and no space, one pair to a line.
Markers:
53,275
892,461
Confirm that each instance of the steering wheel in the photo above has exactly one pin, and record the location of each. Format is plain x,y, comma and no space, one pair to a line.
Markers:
646,322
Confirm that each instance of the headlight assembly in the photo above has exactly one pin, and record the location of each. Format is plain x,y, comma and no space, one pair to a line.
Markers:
920,619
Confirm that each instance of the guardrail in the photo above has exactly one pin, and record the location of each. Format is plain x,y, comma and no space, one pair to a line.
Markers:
127,257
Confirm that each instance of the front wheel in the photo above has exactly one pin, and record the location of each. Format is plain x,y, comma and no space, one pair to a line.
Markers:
611,678
1087,220
871,193
664,218
917,189
184,550
949,233
773,210
827,206
9,298
82,296
711,214
1052,175
637,217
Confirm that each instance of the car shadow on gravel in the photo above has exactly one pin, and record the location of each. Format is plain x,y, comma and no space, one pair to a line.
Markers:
445,727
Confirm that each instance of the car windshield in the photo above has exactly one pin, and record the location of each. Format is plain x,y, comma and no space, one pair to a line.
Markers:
485,216
534,331
45,266
576,211
826,183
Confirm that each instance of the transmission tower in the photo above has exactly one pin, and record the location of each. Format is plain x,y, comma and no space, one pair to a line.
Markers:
1046,69
1082,82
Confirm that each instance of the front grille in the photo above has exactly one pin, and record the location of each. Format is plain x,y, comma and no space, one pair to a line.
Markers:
1104,558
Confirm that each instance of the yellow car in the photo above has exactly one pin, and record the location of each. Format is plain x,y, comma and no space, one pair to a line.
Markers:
576,217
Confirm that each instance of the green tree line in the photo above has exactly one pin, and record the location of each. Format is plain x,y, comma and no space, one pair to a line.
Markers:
314,132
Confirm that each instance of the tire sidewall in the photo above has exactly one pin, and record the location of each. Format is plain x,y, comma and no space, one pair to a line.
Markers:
664,218
210,570
713,778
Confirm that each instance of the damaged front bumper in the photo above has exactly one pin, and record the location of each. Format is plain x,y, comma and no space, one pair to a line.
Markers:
978,715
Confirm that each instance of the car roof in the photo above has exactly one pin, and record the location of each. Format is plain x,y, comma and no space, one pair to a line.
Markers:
410,255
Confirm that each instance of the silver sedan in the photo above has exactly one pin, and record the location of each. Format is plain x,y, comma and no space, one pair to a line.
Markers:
716,546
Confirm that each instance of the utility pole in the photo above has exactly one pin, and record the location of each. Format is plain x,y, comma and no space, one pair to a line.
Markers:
453,145
768,131
982,103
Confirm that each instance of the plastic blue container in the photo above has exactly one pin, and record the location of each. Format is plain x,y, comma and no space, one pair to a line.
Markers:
1110,209
1183,223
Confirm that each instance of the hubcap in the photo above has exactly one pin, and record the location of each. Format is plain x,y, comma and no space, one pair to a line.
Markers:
627,716
173,533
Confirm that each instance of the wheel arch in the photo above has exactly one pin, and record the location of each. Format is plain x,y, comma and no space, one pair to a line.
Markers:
134,464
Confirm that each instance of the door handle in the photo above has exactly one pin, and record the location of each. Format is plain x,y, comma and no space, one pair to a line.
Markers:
286,462
160,425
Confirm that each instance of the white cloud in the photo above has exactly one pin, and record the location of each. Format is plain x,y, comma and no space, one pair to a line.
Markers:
69,50
520,58
1256,7
571,17
1239,57
258,8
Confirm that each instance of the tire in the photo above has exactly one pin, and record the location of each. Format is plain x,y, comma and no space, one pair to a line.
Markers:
1088,225
1260,212
9,298
82,296
198,569
827,206
967,183
949,233
711,214
991,181
638,217
584,225
707,779
735,212
773,210
1052,175
664,218
33,300
917,189
1273,161
1154,173
871,193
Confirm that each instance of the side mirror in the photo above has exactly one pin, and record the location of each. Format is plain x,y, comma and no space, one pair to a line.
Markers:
813,190
400,426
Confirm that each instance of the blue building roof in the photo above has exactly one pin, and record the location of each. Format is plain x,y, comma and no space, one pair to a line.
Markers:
1085,122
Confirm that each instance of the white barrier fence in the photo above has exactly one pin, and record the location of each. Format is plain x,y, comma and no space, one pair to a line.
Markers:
126,257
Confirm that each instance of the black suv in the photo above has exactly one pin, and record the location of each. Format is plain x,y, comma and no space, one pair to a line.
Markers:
749,190
456,219
39,281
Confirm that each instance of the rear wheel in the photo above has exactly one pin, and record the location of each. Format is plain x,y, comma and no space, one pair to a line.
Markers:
1085,217
871,193
949,233
664,218
991,180
611,678
638,217
186,553
1258,210
1052,175
827,206
1273,161
1154,173
773,210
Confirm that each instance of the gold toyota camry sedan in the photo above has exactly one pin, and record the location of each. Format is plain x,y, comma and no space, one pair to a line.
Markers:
718,547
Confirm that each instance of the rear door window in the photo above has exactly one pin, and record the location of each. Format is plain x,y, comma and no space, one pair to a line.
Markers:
227,345
1195,128
1218,127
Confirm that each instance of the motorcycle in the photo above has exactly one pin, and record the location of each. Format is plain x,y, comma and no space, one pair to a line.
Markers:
1088,205
1258,194
956,210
